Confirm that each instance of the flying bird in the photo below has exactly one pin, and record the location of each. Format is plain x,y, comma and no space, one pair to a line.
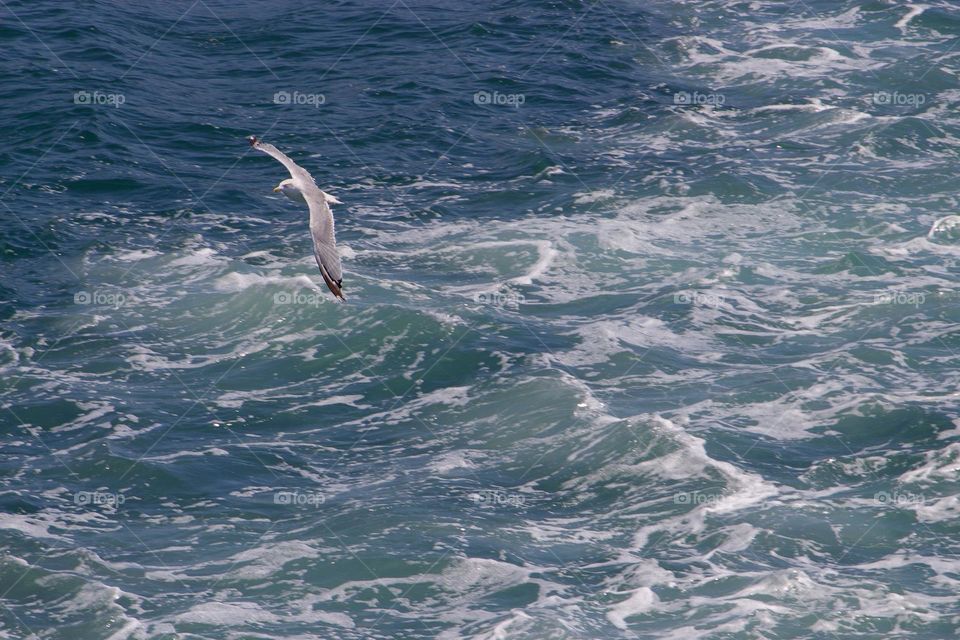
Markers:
301,187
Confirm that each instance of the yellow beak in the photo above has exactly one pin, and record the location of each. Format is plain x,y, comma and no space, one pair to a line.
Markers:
275,189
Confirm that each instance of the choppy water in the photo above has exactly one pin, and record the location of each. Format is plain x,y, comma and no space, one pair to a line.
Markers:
651,331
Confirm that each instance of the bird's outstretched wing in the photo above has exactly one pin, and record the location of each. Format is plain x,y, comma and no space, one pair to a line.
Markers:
296,171
325,241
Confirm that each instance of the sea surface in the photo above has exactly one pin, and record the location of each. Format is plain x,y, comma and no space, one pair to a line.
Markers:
651,326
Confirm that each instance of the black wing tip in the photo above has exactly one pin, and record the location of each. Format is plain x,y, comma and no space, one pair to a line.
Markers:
253,140
333,285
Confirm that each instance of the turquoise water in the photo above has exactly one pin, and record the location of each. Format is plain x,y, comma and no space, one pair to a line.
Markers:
651,326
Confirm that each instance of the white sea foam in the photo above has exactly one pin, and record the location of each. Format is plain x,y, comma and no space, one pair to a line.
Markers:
226,614
640,601
235,281
913,10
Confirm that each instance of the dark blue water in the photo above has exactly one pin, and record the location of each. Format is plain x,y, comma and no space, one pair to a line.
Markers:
651,327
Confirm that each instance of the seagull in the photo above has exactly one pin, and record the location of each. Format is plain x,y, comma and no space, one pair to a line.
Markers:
301,187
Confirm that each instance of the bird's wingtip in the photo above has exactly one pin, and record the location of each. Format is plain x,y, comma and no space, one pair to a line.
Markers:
252,140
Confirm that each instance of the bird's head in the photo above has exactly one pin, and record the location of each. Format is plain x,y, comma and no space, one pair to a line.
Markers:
287,188
284,184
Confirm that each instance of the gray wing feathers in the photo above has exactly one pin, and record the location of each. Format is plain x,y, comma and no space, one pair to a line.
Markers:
324,237
296,171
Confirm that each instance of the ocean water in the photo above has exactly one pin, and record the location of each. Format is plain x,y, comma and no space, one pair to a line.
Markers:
651,330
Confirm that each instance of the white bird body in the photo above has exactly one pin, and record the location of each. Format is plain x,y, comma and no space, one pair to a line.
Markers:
300,187
289,189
